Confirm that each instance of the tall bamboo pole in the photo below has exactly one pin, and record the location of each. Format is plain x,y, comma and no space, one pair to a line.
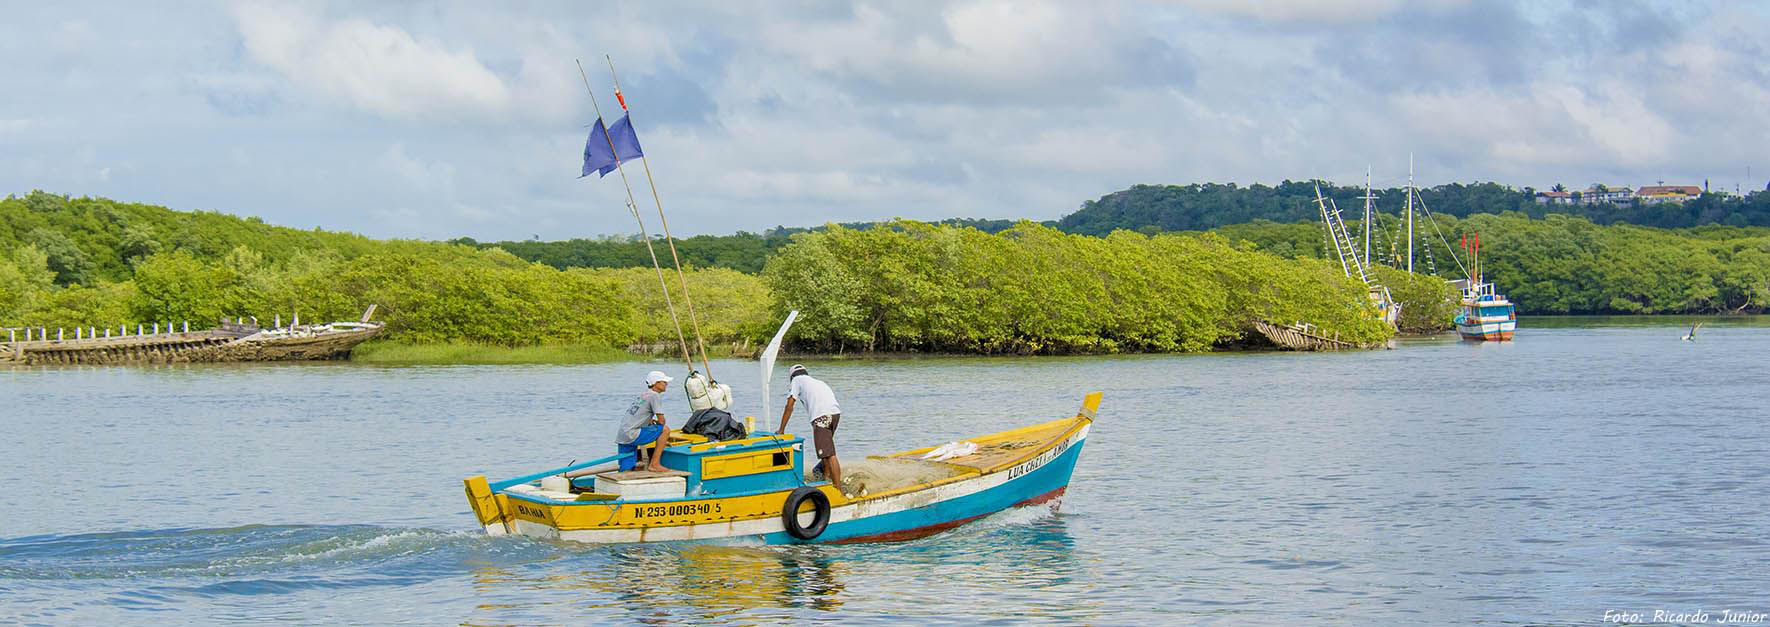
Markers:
693,319
633,207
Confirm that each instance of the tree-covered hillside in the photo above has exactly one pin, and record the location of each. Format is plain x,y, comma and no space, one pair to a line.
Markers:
1198,207
94,239
101,263
743,251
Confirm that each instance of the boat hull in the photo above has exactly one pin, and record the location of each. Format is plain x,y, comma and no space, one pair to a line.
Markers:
1039,479
1499,331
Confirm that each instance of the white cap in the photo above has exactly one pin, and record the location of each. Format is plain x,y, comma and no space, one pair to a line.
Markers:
655,376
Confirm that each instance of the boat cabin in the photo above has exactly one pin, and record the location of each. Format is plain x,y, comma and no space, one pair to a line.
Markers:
697,467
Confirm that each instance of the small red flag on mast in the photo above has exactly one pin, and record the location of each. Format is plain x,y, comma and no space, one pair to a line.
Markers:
622,99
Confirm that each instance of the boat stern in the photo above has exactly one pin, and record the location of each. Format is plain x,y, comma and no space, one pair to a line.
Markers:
488,508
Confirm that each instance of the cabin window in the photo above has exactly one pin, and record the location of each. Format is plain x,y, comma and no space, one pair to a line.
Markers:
746,463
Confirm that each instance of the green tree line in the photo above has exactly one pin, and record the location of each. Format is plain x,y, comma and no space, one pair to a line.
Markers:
900,286
743,251
68,262
909,286
1567,264
1205,206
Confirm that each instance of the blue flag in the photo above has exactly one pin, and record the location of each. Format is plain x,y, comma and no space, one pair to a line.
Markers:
597,157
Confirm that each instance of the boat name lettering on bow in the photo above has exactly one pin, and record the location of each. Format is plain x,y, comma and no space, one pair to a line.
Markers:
688,509
1017,471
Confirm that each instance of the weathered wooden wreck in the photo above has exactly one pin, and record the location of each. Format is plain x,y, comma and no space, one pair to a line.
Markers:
241,340
1306,337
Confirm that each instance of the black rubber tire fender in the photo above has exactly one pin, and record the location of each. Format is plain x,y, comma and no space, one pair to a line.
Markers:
820,504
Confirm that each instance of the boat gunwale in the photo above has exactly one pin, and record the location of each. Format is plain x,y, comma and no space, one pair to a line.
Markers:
969,473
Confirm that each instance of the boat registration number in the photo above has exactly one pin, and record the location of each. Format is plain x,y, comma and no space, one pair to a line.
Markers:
670,511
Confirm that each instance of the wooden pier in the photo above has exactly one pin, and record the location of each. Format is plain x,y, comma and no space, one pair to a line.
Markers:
231,341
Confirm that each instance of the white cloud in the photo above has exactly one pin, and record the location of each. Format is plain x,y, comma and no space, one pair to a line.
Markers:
380,69
1316,11
405,120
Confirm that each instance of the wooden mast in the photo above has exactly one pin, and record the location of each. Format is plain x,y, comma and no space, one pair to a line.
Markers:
692,318
633,207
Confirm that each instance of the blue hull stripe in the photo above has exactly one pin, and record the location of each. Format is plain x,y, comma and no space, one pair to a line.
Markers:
1049,478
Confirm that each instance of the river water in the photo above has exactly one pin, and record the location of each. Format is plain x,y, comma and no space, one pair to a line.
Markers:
1591,465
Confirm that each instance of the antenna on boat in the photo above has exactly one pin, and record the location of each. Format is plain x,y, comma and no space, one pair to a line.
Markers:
633,207
686,299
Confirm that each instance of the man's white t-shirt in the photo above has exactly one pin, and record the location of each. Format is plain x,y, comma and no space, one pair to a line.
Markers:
816,396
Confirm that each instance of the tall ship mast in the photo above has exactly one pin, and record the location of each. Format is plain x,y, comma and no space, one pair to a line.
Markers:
1350,263
1369,212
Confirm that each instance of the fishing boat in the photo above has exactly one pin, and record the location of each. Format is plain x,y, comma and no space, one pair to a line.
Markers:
754,490
1486,315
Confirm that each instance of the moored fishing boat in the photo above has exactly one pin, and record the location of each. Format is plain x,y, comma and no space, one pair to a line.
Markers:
1485,315
755,490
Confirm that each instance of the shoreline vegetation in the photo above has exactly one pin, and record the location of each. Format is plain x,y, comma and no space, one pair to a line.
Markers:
902,287
385,352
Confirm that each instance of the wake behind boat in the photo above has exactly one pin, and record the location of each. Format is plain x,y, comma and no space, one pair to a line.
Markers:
755,490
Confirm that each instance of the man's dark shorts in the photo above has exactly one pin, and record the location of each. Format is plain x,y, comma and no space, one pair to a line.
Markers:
823,434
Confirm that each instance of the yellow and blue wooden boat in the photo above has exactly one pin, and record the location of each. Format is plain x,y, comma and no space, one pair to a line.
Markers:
755,490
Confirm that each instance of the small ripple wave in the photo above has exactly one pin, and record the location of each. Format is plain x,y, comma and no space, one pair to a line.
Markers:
248,552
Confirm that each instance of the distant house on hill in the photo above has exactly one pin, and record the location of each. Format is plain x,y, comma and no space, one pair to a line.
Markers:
1554,198
1613,194
1654,194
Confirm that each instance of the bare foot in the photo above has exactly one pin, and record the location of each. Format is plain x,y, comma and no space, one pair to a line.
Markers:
655,468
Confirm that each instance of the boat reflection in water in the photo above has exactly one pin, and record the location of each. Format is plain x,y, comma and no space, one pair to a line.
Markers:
747,584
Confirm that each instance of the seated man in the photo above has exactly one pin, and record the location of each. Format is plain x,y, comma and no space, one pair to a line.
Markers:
644,424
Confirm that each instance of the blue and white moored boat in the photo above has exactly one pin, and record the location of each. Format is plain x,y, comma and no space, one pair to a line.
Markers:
1486,315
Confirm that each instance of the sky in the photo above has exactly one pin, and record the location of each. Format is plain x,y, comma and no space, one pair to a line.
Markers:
448,119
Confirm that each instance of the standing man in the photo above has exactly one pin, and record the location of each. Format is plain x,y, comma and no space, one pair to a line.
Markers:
820,404
644,424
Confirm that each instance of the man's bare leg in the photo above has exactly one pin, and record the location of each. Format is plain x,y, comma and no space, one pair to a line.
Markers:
657,452
834,470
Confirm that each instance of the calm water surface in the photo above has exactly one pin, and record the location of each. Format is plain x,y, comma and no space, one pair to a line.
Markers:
1589,465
